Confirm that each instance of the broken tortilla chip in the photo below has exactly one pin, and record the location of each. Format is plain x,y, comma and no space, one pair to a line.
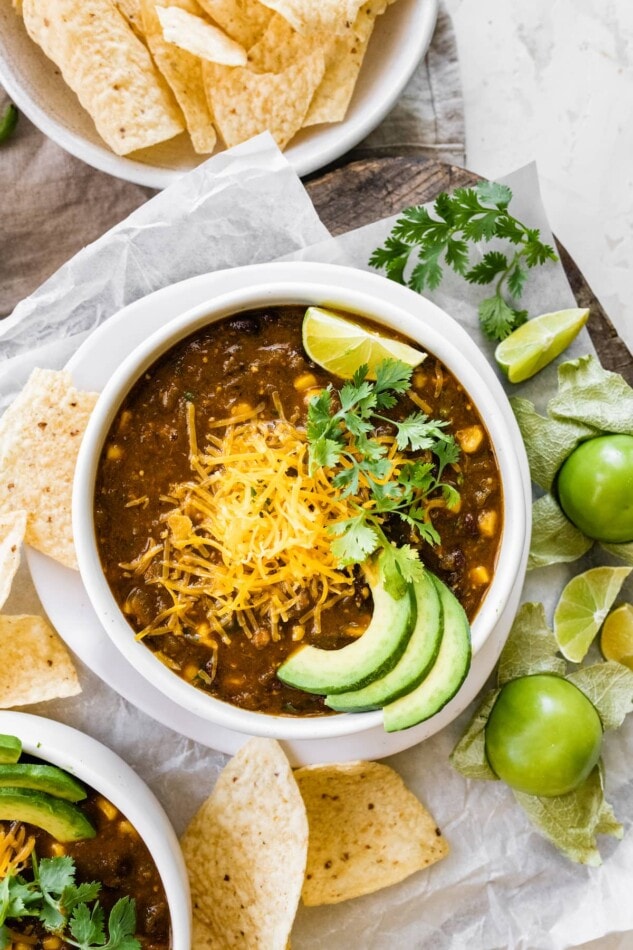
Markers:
324,16
109,69
243,20
36,666
12,529
40,434
245,851
196,36
183,73
245,103
367,831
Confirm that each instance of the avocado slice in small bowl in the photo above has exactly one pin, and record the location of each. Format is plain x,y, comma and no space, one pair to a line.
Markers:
43,778
61,819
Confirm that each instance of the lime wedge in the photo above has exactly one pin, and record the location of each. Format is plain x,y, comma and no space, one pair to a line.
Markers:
583,607
341,346
616,638
536,343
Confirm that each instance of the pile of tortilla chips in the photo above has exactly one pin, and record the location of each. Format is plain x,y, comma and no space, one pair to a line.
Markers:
267,836
145,70
39,440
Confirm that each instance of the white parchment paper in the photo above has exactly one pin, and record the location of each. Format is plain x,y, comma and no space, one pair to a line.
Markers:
502,885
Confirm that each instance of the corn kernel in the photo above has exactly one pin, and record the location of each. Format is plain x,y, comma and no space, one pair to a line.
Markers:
470,439
127,828
298,632
305,381
311,393
419,379
107,808
479,575
51,943
114,452
58,849
487,522
241,407
191,671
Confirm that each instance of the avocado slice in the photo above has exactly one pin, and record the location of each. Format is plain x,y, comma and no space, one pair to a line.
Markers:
61,819
10,748
416,661
45,778
375,652
447,674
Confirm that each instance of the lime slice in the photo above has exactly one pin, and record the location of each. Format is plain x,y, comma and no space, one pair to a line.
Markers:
583,607
536,343
341,346
616,639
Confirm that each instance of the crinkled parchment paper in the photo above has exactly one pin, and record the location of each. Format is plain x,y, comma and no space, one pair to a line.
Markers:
502,886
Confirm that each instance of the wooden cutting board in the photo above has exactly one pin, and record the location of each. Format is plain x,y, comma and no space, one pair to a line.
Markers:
365,191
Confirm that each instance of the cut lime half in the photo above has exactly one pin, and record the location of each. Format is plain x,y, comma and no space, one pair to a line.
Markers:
583,608
616,638
539,341
341,346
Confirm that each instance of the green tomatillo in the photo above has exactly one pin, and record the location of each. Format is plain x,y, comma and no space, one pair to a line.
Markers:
543,735
595,488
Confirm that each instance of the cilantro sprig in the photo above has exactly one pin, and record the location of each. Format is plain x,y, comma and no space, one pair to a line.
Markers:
419,243
344,442
52,897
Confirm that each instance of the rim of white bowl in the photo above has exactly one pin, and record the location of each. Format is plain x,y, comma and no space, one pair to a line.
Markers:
425,323
75,752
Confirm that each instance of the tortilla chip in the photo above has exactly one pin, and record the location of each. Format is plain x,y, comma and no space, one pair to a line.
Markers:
109,69
245,103
281,46
316,16
245,851
367,831
196,36
183,72
131,10
243,20
40,434
12,528
344,59
36,666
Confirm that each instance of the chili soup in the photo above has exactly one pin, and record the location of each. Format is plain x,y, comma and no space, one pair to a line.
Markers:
214,434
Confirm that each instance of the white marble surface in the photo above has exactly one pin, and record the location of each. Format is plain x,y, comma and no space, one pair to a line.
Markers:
552,80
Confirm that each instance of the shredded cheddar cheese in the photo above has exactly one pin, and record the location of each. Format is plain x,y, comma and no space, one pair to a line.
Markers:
247,536
15,848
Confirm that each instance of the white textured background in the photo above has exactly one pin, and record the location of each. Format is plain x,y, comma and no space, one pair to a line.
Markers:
552,80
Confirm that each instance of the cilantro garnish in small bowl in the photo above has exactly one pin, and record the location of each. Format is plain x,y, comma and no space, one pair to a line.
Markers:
71,911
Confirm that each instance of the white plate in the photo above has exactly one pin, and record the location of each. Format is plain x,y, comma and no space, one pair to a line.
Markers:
66,602
400,40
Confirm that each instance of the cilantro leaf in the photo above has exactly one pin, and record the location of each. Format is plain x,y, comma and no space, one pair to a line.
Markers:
420,241
355,542
494,193
121,925
86,926
491,264
497,319
56,873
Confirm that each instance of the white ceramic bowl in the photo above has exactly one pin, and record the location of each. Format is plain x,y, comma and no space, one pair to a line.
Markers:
401,38
99,767
388,304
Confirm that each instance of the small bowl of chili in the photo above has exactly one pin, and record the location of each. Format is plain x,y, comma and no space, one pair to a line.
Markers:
79,805
200,440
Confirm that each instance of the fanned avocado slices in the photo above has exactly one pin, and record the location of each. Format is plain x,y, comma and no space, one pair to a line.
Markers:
61,819
43,778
